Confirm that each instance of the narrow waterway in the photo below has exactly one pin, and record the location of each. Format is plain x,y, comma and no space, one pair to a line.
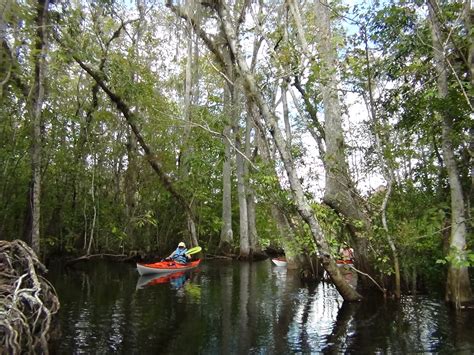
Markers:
241,308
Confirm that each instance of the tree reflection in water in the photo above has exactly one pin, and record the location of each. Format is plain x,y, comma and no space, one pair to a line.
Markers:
239,307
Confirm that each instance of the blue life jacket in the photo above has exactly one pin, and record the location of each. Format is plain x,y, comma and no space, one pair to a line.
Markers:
179,255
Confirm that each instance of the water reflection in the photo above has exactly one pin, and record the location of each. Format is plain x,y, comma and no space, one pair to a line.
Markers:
176,280
231,307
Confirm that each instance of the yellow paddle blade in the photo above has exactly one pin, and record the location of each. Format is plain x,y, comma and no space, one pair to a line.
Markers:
193,250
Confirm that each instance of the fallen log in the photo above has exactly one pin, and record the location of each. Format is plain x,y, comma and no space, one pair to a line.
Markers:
28,301
116,257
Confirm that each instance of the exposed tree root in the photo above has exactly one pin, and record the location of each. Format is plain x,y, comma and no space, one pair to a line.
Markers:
27,300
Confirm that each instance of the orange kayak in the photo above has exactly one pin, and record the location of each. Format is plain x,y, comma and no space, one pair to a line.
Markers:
165,267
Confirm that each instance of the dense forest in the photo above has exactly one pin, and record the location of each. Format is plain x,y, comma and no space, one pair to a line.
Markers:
128,126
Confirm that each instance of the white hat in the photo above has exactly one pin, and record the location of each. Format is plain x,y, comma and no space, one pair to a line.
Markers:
181,244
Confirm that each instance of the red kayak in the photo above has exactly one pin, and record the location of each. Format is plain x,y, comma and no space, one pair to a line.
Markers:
165,267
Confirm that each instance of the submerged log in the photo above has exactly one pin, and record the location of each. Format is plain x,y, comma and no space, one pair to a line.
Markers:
28,301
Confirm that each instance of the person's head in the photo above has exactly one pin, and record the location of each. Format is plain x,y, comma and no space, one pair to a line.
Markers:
181,245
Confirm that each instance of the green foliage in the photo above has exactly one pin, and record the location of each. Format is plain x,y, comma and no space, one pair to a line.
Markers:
95,182
458,259
416,224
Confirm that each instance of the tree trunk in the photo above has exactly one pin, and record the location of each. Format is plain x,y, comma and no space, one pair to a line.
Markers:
94,209
286,116
186,152
188,96
250,193
458,287
131,183
468,21
287,236
225,61
286,232
340,192
37,97
242,195
226,238
152,159
305,210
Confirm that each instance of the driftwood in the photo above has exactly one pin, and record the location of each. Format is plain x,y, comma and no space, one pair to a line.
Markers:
27,300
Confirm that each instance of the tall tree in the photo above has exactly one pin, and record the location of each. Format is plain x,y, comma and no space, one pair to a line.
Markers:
36,100
458,288
252,91
232,113
340,191
226,234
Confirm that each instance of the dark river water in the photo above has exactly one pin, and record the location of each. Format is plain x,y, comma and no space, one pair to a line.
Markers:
241,308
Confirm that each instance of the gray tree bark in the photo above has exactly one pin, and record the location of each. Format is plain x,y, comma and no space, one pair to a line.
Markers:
251,204
241,189
340,192
468,22
458,287
305,210
232,112
36,104
226,236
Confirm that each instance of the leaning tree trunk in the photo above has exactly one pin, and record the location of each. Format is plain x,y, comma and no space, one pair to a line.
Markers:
305,210
36,104
285,230
340,192
150,156
458,287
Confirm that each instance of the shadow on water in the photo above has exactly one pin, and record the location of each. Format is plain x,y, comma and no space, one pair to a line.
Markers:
241,308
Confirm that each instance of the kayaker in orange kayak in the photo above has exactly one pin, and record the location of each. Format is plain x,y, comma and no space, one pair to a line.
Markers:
179,255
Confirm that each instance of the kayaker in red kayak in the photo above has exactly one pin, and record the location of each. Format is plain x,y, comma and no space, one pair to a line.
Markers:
179,255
